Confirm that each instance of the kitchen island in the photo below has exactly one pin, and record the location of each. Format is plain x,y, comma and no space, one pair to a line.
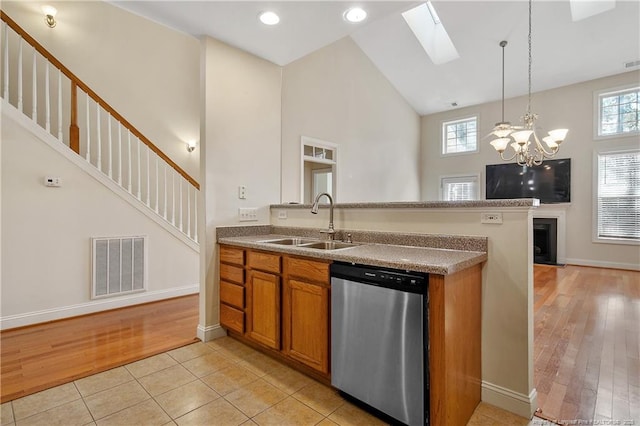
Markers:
276,288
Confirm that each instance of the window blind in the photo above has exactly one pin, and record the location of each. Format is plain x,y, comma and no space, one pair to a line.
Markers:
619,195
460,188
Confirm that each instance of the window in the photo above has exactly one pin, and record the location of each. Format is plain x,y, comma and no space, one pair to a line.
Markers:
460,136
618,112
459,188
618,200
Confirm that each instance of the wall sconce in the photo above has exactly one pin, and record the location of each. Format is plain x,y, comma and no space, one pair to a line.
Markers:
50,13
191,146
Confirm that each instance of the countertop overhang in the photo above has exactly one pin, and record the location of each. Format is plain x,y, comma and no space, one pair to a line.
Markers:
422,259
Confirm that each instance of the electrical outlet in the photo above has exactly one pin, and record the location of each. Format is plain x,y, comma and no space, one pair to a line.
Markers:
242,192
248,214
282,214
495,218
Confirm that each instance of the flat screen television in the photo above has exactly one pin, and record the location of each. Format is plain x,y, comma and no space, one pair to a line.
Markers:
550,182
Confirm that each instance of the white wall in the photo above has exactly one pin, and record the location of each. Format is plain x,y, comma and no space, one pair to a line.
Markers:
337,95
241,146
146,71
46,246
571,107
507,292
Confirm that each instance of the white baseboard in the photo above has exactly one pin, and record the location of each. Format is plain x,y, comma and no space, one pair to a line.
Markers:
601,264
210,332
515,402
30,318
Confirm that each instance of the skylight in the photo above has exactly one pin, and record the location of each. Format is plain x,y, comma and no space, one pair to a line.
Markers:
582,9
430,32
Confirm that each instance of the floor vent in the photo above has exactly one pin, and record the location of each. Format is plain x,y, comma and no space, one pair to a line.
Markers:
119,266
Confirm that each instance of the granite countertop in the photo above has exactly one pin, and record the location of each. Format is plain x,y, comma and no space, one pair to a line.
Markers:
423,259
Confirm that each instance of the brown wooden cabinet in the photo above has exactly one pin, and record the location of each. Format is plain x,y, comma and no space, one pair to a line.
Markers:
305,312
263,308
232,290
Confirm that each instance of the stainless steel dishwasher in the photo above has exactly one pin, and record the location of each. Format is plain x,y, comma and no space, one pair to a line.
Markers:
379,340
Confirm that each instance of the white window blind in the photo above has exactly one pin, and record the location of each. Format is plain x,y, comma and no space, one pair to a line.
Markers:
619,112
459,188
619,196
460,136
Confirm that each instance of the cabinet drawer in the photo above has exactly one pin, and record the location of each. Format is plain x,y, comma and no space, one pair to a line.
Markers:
231,273
232,255
232,318
307,269
264,261
232,294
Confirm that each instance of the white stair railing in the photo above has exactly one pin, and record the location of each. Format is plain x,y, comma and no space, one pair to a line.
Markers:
135,164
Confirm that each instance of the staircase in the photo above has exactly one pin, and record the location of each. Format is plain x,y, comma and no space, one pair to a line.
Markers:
37,87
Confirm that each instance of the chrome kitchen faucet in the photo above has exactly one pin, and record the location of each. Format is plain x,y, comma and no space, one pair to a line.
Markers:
314,209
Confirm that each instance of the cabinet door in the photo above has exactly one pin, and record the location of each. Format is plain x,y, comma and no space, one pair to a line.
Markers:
263,308
306,323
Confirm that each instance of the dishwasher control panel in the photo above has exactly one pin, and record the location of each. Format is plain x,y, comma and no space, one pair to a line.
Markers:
415,282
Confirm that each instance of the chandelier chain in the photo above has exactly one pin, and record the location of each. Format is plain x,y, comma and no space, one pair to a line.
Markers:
530,60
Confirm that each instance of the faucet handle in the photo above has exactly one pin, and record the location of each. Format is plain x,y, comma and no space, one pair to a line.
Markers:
348,238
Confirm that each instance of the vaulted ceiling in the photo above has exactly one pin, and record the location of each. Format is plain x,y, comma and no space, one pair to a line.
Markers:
564,51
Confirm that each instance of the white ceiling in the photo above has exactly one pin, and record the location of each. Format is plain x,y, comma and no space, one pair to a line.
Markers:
564,52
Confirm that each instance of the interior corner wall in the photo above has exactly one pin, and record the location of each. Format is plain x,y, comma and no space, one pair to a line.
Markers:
46,236
144,70
241,118
569,107
336,94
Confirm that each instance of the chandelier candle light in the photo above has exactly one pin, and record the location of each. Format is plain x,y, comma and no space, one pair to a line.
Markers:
523,139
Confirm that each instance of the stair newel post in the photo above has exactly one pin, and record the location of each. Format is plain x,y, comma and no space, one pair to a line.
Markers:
5,83
60,108
20,101
88,132
110,147
74,130
47,99
34,89
99,138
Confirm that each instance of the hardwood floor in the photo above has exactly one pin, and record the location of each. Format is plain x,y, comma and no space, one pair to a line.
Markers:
38,357
586,343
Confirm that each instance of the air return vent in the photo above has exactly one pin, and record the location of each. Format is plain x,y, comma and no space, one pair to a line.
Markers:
119,266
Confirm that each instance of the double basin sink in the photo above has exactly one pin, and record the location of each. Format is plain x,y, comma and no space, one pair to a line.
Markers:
310,243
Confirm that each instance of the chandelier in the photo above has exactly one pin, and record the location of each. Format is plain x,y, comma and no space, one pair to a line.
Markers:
528,150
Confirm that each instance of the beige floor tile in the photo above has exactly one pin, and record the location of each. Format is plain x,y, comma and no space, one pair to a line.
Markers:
6,414
259,364
231,348
255,397
71,413
180,401
165,380
500,415
321,398
219,412
229,379
206,364
101,381
482,420
350,415
115,399
287,379
288,412
43,401
150,365
188,352
147,413
327,422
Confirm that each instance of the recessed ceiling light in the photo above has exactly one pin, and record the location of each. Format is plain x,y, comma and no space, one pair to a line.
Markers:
269,18
355,14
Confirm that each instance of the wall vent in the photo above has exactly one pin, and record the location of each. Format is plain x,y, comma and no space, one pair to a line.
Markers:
119,266
632,64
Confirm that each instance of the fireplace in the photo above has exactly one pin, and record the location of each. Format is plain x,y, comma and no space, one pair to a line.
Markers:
545,241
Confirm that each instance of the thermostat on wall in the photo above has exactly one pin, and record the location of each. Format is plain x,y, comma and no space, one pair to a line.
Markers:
52,181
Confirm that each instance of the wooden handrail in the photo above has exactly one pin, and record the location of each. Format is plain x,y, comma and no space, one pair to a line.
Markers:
77,83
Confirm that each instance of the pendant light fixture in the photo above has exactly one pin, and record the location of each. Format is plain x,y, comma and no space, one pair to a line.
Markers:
528,150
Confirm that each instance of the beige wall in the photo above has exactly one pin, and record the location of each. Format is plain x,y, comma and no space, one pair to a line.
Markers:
146,71
337,95
46,236
507,291
571,107
241,146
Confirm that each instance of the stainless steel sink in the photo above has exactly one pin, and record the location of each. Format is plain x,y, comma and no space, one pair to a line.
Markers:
328,245
290,241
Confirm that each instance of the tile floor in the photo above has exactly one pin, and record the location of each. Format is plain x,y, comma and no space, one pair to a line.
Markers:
221,382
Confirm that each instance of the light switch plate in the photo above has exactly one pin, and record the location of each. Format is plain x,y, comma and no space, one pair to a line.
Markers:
247,214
